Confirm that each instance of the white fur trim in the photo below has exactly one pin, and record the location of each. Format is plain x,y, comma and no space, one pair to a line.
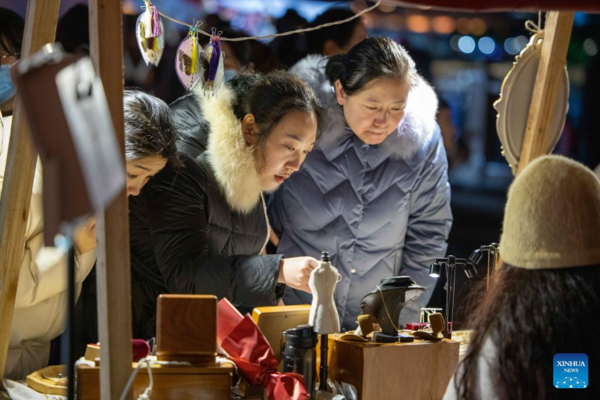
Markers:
230,157
412,134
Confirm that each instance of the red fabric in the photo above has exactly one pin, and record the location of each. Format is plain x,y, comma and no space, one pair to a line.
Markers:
508,5
249,349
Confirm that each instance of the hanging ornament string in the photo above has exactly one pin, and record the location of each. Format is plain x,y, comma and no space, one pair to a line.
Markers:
215,55
194,35
532,27
156,28
213,59
187,62
357,15
149,34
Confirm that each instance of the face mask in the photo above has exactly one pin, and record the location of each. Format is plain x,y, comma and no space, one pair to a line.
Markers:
7,88
228,74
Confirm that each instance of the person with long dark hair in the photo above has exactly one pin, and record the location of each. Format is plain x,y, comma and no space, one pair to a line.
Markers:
545,298
374,193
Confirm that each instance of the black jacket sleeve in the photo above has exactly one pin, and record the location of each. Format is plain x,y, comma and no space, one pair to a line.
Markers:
177,208
191,127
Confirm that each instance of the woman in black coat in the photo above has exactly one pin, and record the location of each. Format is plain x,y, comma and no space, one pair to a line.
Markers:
201,228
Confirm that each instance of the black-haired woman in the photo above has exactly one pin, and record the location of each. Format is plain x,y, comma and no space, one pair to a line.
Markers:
40,304
201,229
375,192
543,305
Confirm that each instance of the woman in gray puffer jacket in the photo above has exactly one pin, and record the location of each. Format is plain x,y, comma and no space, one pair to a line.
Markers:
374,193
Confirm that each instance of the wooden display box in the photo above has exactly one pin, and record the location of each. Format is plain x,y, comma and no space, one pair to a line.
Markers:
273,321
170,383
397,371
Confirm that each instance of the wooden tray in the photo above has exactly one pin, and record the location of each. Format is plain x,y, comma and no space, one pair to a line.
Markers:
49,380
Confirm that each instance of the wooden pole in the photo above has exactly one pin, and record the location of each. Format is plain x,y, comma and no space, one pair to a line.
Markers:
40,28
113,266
557,34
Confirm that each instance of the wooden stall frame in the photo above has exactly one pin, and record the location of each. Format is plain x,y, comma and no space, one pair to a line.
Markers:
557,34
40,28
112,229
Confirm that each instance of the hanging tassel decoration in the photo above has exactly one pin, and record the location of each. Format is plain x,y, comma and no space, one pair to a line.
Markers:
194,66
187,65
213,61
150,34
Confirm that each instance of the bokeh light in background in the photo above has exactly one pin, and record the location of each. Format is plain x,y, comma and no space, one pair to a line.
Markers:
359,5
466,44
515,45
387,8
454,42
509,46
478,26
418,23
486,45
443,25
520,42
463,26
590,47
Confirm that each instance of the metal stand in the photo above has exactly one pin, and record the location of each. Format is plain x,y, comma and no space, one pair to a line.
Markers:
450,284
67,341
492,252
323,369
450,263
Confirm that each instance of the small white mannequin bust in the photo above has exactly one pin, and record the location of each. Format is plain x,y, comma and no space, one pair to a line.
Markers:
323,313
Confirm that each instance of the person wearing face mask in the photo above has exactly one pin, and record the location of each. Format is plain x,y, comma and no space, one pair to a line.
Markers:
201,229
11,37
237,56
374,193
7,88
41,300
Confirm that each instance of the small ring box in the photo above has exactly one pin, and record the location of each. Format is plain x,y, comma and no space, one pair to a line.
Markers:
415,326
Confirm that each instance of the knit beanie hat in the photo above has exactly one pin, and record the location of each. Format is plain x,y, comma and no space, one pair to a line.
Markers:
552,216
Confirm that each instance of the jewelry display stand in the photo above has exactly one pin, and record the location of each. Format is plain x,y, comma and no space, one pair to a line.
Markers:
385,303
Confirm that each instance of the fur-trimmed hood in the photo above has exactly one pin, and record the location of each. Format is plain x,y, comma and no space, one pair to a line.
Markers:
412,134
231,159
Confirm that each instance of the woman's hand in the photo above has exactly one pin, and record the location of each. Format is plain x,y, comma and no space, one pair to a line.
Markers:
295,272
85,236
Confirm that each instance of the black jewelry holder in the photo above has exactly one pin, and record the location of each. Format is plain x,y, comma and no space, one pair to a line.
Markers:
493,252
323,369
451,263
